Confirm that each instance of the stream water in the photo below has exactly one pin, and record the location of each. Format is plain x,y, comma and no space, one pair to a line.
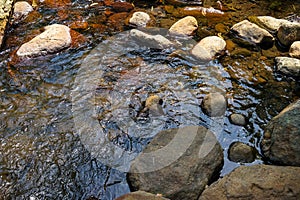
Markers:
46,144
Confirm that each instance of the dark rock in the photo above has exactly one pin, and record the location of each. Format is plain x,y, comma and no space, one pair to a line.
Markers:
214,104
289,33
178,163
240,152
281,140
184,2
122,6
256,182
288,66
141,195
238,119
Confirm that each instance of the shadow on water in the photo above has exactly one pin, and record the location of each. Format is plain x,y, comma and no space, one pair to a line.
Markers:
42,157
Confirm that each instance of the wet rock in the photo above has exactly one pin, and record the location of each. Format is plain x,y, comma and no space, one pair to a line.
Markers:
185,26
281,140
253,34
57,3
295,50
288,66
267,22
181,163
214,104
289,33
184,2
238,119
21,10
139,19
6,8
153,41
55,38
208,48
116,21
240,152
122,6
256,182
138,195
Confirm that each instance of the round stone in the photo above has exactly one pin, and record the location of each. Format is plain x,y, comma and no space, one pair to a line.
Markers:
238,119
214,104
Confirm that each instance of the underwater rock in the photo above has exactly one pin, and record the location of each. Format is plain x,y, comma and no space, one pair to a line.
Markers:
256,182
184,27
289,33
288,66
214,104
295,50
240,152
237,119
281,140
21,10
139,19
138,195
177,163
208,48
55,38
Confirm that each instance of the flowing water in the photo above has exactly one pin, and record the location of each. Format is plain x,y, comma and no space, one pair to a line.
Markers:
47,140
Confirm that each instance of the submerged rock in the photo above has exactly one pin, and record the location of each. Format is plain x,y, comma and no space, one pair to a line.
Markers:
55,38
214,104
181,163
281,140
153,41
139,19
240,152
141,195
249,32
288,66
256,182
289,33
295,50
21,10
208,48
185,26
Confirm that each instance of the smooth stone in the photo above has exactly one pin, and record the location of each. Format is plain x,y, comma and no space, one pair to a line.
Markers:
281,140
185,26
214,104
289,33
141,195
240,152
208,48
21,10
238,119
177,163
256,182
139,19
267,22
252,33
295,50
153,41
55,38
288,66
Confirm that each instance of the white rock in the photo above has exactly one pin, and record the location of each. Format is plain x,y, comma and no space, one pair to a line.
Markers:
288,66
295,50
185,26
271,23
139,19
208,47
153,41
21,10
55,38
289,33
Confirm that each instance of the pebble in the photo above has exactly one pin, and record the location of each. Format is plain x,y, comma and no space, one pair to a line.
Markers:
238,119
139,19
240,152
214,104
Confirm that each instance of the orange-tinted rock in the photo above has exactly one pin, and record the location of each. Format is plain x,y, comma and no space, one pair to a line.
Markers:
77,39
79,25
117,21
57,3
122,6
108,12
63,15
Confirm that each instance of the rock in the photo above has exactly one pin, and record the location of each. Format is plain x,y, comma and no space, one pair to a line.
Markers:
288,66
139,19
208,48
214,104
240,152
184,27
295,50
122,6
238,119
153,41
6,8
55,38
177,163
138,195
256,182
267,22
184,2
21,10
281,140
288,33
253,34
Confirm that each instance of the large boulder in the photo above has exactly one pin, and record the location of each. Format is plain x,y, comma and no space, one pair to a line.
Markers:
289,33
177,163
256,182
281,140
288,66
184,27
252,34
55,38
141,195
